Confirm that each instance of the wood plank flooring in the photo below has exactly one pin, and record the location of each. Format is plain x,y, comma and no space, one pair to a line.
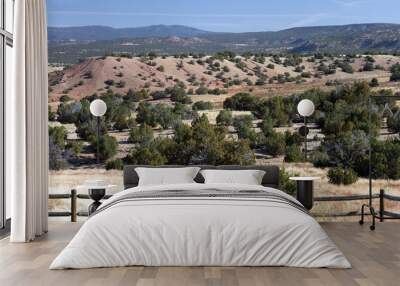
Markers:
375,257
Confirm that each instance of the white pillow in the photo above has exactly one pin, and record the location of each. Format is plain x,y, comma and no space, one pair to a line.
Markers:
247,177
166,176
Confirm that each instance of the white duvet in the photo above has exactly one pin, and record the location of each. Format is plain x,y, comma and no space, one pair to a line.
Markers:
202,232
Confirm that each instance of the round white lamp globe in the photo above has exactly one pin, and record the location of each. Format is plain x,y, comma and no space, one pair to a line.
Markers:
98,107
305,107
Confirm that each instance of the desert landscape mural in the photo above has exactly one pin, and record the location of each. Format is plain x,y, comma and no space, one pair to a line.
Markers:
179,95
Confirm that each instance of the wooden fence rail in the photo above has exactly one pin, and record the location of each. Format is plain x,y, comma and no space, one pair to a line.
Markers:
345,198
338,214
382,196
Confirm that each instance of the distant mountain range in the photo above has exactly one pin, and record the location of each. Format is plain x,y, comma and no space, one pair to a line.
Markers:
101,33
68,44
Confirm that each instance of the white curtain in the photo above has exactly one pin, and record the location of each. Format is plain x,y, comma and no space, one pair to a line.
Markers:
26,123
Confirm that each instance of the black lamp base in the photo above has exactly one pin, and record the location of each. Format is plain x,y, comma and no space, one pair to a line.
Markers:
96,195
93,207
373,214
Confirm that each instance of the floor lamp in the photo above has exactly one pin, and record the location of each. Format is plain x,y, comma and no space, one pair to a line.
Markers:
369,204
305,108
98,108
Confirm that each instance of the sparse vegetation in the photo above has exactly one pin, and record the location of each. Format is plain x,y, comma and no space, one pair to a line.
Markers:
202,105
395,70
225,107
340,115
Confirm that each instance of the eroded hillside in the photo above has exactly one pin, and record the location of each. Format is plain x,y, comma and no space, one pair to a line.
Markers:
218,75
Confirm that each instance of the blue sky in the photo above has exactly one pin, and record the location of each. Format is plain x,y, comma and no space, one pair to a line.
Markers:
222,15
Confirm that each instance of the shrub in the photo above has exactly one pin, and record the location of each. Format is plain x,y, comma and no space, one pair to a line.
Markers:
145,114
202,105
88,129
293,154
285,184
261,81
146,156
65,98
120,84
202,90
165,116
122,122
292,138
224,118
244,128
116,164
109,82
68,112
395,70
159,94
215,91
385,160
346,67
141,135
346,149
293,60
243,120
237,153
57,160
374,82
51,114
108,146
275,144
178,94
350,177
340,176
320,159
59,135
136,96
75,146
368,66
241,101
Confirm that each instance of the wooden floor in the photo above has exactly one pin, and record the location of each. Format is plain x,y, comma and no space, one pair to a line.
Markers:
375,257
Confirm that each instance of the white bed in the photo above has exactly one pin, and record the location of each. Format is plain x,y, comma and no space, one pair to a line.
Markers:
200,231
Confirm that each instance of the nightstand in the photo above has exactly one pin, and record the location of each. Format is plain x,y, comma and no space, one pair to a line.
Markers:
305,190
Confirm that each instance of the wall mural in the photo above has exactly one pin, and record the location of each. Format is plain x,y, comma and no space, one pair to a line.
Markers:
176,94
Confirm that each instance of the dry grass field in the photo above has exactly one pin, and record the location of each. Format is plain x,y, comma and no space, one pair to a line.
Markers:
64,181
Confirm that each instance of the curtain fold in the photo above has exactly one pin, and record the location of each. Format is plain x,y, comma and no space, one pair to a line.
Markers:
26,119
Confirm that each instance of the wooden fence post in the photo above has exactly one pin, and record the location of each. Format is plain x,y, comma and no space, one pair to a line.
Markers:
381,204
73,205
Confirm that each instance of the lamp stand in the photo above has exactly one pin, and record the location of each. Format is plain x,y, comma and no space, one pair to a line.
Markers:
305,137
369,205
381,215
98,141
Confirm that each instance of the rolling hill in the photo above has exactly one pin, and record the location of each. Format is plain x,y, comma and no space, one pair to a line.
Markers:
119,74
69,44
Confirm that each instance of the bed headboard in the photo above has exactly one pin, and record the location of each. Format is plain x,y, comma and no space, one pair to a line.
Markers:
271,177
